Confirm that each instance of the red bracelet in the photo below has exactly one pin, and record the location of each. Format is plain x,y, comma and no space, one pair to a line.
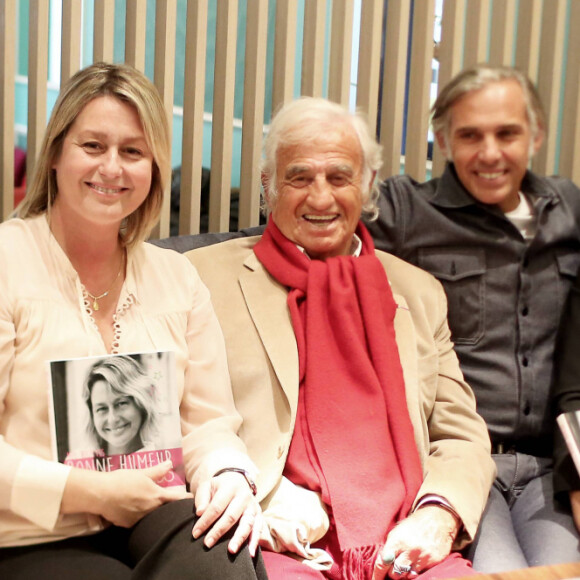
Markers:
242,472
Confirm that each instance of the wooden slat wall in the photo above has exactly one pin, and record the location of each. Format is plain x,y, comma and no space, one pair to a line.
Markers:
476,29
253,121
103,41
550,79
313,47
394,85
37,75
502,32
164,77
420,79
450,55
223,116
570,143
135,28
530,34
72,25
193,104
369,61
529,29
284,52
340,51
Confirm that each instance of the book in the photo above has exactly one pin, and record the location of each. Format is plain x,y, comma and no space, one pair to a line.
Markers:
117,412
569,424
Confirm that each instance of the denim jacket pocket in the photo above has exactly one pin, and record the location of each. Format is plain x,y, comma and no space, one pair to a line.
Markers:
462,273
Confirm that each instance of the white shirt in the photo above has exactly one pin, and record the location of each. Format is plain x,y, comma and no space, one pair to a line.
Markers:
523,217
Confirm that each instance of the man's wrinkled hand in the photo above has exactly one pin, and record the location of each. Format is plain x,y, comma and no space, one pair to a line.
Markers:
221,503
417,543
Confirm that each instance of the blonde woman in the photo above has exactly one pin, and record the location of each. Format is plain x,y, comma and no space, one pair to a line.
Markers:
77,281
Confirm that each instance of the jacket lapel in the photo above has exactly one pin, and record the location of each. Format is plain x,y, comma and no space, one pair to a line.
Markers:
407,345
266,301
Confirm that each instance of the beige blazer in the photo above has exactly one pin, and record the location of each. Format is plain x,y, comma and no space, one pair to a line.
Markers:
451,438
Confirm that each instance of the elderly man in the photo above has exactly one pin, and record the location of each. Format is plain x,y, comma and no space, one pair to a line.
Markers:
505,243
373,460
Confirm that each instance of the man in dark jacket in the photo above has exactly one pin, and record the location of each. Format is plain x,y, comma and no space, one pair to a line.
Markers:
505,243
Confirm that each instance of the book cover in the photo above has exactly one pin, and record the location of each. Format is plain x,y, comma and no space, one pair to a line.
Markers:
117,412
569,424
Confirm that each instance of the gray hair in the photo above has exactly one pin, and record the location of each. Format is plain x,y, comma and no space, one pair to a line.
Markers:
300,121
476,78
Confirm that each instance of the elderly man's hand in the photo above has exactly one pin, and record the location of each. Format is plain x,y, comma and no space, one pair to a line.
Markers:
420,541
223,502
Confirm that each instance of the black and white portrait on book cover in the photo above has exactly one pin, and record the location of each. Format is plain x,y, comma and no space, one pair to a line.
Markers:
117,412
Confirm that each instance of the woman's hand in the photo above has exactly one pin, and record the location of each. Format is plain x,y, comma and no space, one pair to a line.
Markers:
575,503
122,497
420,541
220,503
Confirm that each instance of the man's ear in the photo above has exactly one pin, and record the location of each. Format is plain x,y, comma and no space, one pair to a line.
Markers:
442,142
538,139
265,179
372,180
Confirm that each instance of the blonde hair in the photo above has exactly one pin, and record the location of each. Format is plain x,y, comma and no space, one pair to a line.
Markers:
132,87
301,121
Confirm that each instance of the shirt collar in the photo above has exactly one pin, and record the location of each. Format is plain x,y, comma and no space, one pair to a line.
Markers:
451,193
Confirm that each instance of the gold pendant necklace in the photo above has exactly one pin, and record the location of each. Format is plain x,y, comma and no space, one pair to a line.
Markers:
95,299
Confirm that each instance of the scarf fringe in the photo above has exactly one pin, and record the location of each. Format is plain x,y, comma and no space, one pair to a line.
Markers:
358,563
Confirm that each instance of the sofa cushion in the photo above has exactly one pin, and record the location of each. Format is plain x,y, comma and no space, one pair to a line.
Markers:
183,244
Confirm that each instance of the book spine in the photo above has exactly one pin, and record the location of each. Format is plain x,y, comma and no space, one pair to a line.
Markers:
571,441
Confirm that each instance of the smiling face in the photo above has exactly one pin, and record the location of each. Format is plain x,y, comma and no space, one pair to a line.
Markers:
104,169
319,187
116,418
490,142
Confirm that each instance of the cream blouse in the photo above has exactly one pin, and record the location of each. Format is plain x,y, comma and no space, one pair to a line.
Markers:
44,316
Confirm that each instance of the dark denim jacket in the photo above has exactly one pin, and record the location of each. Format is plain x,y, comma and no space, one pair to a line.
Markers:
506,296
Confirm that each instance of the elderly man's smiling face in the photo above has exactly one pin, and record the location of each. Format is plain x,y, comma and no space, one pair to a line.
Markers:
319,185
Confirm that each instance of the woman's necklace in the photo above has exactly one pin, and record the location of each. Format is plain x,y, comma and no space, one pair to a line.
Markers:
96,299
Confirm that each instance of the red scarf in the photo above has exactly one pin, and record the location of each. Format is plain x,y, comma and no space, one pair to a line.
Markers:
364,449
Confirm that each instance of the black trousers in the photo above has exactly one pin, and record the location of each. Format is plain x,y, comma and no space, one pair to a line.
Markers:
159,547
